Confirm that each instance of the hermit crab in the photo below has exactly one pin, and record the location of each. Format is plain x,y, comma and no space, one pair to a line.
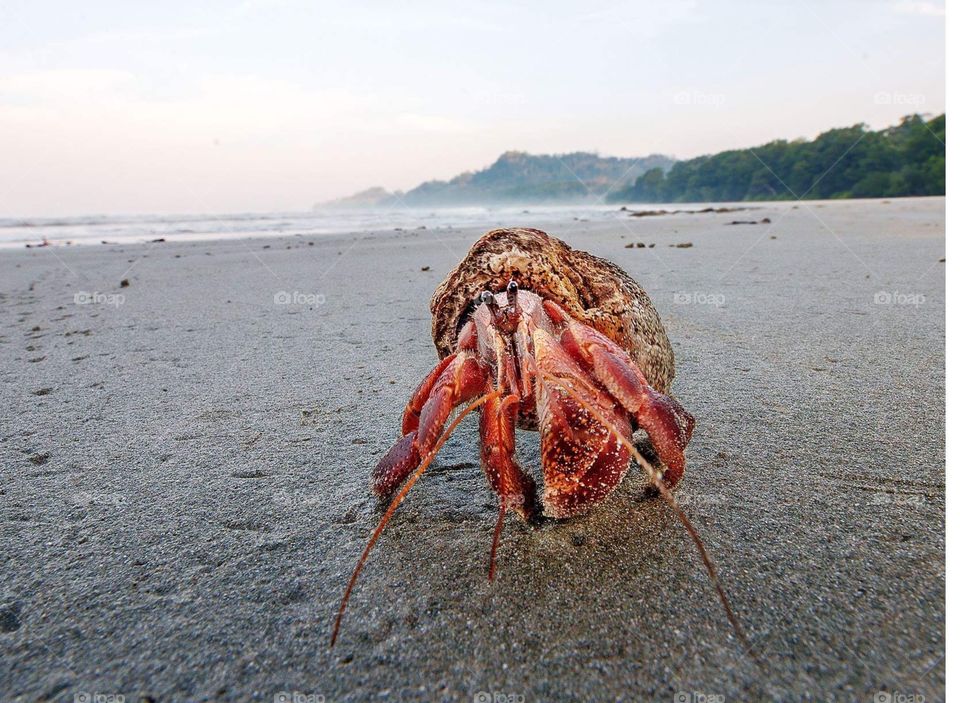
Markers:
543,337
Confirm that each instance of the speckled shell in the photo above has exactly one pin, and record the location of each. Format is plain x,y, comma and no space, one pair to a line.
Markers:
592,290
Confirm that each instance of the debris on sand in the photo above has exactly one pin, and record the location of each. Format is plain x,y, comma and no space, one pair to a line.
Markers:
764,221
124,282
158,240
684,245
39,459
656,213
424,268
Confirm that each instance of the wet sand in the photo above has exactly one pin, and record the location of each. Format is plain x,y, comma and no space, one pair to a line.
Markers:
185,474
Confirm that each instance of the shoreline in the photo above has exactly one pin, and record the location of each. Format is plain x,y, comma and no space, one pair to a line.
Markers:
553,214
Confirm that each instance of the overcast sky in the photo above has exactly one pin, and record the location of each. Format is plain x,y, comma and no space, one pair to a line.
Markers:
122,107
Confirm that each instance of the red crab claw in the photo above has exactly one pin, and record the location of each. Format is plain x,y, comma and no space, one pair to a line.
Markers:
665,421
583,460
459,378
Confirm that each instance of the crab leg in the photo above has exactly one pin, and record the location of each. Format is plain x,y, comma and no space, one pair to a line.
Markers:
515,489
391,509
498,422
668,425
457,379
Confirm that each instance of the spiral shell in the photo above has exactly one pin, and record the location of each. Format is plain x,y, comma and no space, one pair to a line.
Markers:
592,290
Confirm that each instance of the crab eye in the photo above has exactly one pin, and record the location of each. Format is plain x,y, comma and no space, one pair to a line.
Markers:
486,297
512,287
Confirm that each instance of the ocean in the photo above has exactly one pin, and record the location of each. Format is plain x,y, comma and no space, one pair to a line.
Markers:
124,229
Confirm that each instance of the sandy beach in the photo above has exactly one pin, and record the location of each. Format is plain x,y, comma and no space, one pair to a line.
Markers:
186,462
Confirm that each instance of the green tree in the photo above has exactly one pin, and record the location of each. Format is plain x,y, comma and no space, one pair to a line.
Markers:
907,159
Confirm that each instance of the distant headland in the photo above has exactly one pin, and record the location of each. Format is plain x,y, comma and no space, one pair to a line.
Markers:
908,159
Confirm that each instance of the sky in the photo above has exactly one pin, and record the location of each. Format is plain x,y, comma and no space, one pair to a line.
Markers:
273,105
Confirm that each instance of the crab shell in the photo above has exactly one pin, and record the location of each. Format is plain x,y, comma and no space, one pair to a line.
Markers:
592,290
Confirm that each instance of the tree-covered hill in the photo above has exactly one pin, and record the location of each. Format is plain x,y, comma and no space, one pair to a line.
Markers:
851,162
530,178
519,177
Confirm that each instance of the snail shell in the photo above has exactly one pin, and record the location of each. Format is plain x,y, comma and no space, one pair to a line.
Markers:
593,290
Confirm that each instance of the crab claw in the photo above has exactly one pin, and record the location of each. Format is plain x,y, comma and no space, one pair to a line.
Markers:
583,460
668,425
396,465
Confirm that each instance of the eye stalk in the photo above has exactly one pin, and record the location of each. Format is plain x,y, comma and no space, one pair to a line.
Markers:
512,290
505,318
490,300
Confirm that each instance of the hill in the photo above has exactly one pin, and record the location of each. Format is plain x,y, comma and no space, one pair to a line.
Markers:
519,177
371,197
851,162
